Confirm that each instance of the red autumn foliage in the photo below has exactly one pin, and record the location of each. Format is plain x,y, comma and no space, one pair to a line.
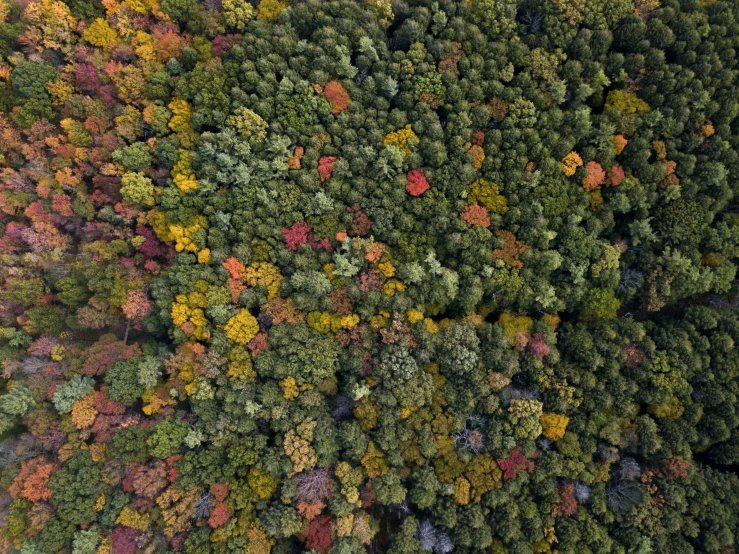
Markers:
595,177
326,167
474,214
337,96
149,481
616,175
567,505
369,281
319,534
106,405
417,183
478,138
514,464
220,513
538,347
258,344
361,224
124,540
224,43
99,357
297,235
219,491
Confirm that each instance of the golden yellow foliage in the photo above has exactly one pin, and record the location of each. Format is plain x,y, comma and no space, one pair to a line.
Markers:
462,491
101,34
269,10
553,425
515,324
414,316
262,483
50,25
289,388
570,163
402,138
84,412
131,518
242,327
266,275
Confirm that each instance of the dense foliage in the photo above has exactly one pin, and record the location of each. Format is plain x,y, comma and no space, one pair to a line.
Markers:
352,276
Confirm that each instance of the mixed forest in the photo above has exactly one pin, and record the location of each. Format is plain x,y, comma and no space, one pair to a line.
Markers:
348,276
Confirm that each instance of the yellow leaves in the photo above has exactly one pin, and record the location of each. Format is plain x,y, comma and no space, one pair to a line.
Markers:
366,413
183,174
325,322
155,402
402,138
626,102
191,320
57,352
100,502
184,236
242,327
289,388
386,268
484,475
131,518
297,446
552,320
204,256
392,286
237,13
240,365
84,412
515,324
259,541
180,122
553,425
50,25
269,10
462,491
343,525
431,326
570,163
374,462
59,90
262,483
671,411
100,34
414,316
487,194
266,275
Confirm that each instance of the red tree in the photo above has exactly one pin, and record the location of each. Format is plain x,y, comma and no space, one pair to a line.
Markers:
326,167
514,464
417,183
319,534
124,540
337,95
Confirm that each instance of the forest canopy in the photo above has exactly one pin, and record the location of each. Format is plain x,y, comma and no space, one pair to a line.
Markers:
383,276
